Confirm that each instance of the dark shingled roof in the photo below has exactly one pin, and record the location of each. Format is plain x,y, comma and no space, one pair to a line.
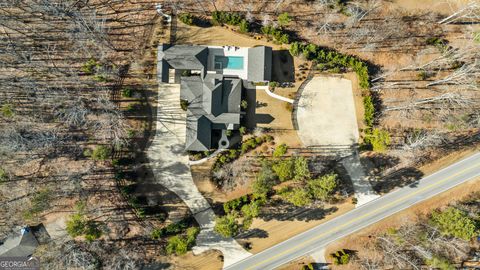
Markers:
214,99
214,103
186,57
22,244
162,65
199,132
259,64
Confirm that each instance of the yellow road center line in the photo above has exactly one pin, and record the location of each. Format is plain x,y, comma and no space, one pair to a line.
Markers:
363,216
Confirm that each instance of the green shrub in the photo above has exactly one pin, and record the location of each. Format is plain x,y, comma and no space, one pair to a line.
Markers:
92,231
476,37
242,130
272,85
340,257
435,41
75,225
284,19
284,169
297,196
244,104
227,225
280,150
369,110
249,212
454,222
244,26
180,244
378,139
87,152
322,188
78,225
335,70
301,169
127,92
133,107
264,181
131,133
235,204
3,176
422,75
91,66
224,17
177,245
128,189
7,110
437,262
170,229
101,153
184,104
192,233
186,18
294,48
276,33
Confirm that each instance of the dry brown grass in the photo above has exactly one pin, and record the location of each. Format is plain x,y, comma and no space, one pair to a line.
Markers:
358,240
208,260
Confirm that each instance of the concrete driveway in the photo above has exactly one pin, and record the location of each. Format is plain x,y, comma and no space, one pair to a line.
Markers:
169,163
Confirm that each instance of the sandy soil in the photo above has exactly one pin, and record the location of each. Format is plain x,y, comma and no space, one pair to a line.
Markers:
278,230
326,113
281,124
219,36
206,261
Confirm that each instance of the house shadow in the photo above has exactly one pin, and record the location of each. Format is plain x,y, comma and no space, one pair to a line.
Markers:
251,118
283,68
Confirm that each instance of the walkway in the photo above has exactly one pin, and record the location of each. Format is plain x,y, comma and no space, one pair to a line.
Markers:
270,93
363,190
205,159
169,163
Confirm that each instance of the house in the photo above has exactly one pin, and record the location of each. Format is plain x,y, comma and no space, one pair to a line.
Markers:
211,82
21,244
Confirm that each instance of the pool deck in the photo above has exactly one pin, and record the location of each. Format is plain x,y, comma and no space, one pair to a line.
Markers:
228,51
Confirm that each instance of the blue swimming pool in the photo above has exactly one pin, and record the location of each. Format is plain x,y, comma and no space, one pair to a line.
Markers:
228,62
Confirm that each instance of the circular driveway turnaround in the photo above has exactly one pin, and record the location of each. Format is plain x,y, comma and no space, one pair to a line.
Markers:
326,113
326,118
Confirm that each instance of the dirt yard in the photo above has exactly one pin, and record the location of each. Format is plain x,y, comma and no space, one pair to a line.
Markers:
266,233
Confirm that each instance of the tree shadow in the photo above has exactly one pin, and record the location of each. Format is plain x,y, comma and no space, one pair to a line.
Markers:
253,233
279,210
251,118
156,265
382,183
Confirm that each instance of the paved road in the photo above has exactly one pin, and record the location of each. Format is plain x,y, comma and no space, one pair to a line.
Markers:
362,217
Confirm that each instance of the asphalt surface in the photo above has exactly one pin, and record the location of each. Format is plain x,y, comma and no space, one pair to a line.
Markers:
363,216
